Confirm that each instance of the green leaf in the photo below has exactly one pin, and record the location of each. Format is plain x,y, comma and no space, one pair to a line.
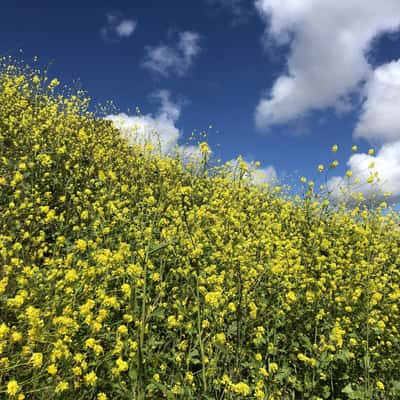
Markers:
353,394
156,248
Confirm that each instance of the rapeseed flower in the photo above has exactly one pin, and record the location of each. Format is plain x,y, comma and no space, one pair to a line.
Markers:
90,378
52,369
12,387
127,270
241,388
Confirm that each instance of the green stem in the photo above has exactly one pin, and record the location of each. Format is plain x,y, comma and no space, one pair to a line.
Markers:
141,393
203,368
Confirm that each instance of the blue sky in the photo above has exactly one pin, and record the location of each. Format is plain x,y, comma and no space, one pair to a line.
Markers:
279,81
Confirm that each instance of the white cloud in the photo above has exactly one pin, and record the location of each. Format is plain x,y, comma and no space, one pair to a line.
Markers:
380,118
379,122
160,129
118,27
126,27
386,162
264,175
166,60
328,42
258,175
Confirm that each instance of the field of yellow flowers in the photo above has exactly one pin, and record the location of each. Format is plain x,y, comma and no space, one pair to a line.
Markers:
129,275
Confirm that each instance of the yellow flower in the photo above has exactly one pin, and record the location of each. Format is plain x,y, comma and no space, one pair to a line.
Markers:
241,388
253,310
16,337
291,297
37,360
212,298
352,341
98,349
155,276
273,367
4,329
126,290
205,324
71,275
334,164
54,82
61,387
204,149
172,321
220,338
335,148
122,329
225,380
77,371
90,343
80,245
302,357
380,385
189,377
52,369
91,378
176,389
122,365
102,396
12,387
336,335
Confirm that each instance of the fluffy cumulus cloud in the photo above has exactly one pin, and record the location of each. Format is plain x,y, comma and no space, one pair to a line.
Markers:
378,123
386,163
264,175
327,61
118,27
173,59
160,130
380,118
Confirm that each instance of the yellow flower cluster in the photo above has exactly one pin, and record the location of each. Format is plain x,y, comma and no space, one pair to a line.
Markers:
125,274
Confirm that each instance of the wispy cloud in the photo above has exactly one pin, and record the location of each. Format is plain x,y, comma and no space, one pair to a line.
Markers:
328,44
118,27
241,10
169,59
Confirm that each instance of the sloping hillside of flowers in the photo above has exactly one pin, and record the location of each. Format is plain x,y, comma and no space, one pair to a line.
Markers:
129,275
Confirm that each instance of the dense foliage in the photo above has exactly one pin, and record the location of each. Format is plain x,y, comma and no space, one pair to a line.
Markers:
125,274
